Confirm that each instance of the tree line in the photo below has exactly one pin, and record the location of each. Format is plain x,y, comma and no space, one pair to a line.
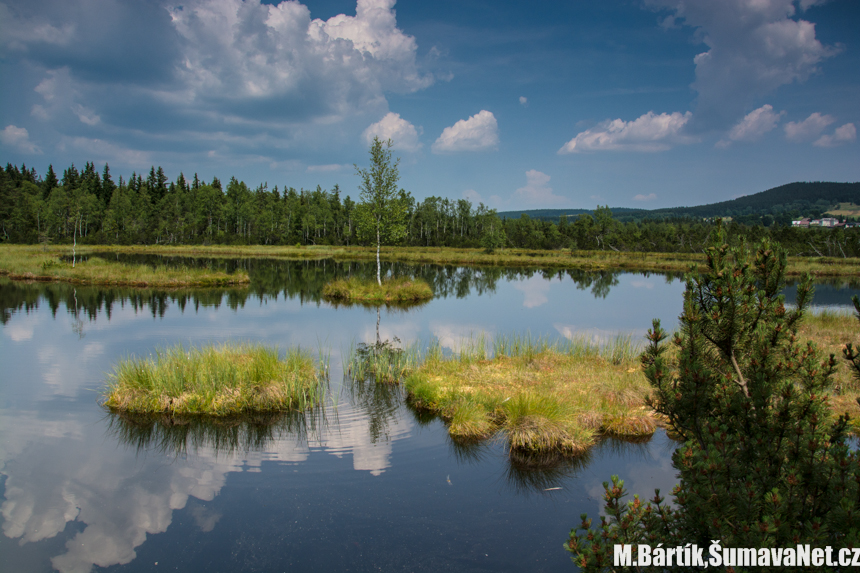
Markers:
89,206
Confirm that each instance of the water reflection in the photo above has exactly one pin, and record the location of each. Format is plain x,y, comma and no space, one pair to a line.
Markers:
523,472
367,484
182,435
303,281
299,280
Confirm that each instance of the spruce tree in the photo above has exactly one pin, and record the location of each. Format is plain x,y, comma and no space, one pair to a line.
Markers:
50,182
763,464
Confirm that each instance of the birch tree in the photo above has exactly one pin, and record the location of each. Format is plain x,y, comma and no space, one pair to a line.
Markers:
381,213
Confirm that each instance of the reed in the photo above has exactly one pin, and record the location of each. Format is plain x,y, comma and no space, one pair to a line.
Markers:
217,380
51,264
397,290
383,361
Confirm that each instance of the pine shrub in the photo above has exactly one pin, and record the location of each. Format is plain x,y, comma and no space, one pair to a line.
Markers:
763,463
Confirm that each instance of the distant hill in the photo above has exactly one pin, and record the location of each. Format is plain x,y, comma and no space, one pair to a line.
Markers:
781,203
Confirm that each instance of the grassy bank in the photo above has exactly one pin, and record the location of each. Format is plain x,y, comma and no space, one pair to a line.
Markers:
225,380
830,331
541,397
38,264
586,260
397,290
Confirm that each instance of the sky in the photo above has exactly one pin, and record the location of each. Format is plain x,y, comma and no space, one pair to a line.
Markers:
627,103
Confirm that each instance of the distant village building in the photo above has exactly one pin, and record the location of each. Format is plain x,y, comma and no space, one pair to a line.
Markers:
830,222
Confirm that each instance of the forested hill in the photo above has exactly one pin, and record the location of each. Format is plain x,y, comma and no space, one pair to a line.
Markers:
783,202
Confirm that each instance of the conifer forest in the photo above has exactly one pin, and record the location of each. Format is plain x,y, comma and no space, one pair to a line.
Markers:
92,206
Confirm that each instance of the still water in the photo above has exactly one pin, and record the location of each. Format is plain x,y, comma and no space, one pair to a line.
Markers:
364,484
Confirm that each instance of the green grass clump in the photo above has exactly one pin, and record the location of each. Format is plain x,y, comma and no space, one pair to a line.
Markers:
470,420
392,290
38,264
382,361
217,380
540,422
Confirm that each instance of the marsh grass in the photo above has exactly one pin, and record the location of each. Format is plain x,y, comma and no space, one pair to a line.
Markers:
216,380
578,259
830,330
382,361
51,264
396,290
543,397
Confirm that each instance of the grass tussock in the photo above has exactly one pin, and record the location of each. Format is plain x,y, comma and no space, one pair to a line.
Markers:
383,361
396,290
216,380
51,264
543,396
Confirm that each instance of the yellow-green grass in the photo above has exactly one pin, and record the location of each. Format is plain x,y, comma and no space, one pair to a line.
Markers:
218,380
541,397
830,331
564,258
39,264
845,210
396,290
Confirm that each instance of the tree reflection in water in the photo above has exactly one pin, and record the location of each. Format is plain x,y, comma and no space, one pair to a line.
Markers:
178,436
271,279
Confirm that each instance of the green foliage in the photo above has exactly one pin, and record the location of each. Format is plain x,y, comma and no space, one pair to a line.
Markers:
381,215
88,208
493,238
763,464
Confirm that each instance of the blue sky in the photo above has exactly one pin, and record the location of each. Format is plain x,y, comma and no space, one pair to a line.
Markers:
636,103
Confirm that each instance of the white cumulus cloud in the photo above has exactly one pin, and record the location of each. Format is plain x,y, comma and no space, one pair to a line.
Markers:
327,168
245,49
648,197
807,129
86,115
753,126
754,46
649,132
187,71
537,192
18,138
845,134
403,135
479,132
